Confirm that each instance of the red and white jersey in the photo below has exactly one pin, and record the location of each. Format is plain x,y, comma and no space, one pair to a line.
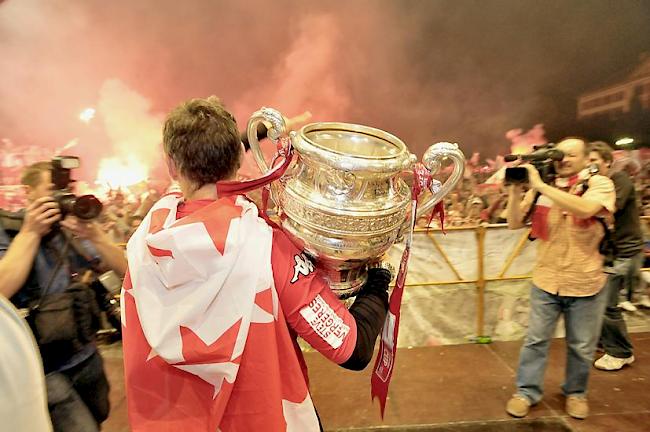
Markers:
211,305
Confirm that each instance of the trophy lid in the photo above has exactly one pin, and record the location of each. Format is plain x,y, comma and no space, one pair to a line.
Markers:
352,147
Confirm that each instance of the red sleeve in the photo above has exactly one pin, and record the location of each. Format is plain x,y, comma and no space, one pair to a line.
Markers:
310,307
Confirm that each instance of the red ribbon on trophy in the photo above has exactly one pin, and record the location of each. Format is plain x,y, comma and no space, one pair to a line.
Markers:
438,209
235,187
385,363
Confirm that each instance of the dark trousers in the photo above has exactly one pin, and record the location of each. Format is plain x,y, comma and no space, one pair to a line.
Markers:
614,337
78,397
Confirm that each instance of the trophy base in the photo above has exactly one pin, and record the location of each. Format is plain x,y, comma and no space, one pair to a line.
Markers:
346,283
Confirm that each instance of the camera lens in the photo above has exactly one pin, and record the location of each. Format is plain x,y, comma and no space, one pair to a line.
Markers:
66,202
87,207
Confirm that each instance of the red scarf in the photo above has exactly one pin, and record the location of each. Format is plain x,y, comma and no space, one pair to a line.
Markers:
576,185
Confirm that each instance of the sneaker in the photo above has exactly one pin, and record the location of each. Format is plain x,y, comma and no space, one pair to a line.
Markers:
518,406
609,363
577,407
626,305
645,301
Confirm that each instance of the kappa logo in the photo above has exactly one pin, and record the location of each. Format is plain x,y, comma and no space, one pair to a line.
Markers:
303,266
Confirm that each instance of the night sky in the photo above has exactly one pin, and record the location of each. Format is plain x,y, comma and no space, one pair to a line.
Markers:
428,70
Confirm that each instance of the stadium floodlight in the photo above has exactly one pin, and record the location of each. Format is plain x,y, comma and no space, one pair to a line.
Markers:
624,141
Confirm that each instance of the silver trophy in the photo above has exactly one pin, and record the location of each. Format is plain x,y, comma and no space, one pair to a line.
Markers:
344,198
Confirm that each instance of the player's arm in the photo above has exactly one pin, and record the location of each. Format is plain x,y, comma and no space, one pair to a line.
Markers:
312,310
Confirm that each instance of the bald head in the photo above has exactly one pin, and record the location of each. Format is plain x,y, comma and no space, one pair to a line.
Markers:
576,156
574,144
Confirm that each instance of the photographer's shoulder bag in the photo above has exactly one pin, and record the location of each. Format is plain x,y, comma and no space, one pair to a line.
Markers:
67,319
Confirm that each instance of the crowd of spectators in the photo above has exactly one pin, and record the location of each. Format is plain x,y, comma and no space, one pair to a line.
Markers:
123,213
471,203
474,201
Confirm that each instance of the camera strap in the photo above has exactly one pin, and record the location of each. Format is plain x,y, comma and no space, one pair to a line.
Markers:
61,259
532,207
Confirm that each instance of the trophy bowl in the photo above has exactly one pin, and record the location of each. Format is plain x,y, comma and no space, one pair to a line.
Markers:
345,199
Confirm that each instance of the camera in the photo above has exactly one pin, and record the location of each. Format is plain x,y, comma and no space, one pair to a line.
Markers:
84,207
543,158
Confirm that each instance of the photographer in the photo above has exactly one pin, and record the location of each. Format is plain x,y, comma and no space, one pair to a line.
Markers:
627,258
39,262
568,278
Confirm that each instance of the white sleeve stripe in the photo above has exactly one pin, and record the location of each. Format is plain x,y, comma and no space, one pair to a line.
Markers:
325,322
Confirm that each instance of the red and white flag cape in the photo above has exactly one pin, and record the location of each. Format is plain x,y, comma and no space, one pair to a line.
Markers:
195,287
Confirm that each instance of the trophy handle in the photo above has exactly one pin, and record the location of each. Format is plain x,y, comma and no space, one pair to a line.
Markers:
277,129
432,159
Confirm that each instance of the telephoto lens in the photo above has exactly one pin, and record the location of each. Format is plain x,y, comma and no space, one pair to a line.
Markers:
85,207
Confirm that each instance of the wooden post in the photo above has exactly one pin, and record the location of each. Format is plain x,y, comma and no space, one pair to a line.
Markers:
480,285
516,251
444,255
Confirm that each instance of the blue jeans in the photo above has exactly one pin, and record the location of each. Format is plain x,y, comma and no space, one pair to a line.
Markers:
630,270
582,318
614,337
78,397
